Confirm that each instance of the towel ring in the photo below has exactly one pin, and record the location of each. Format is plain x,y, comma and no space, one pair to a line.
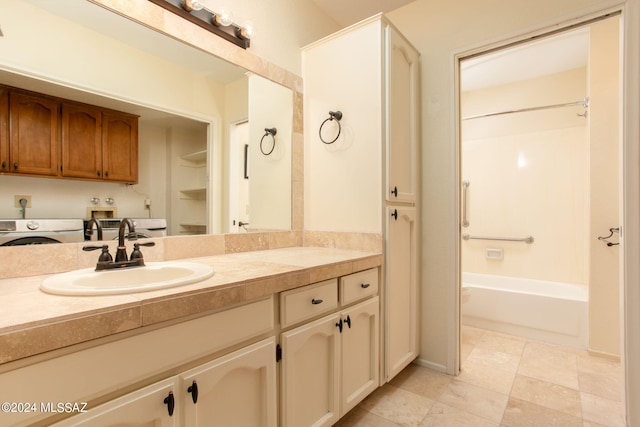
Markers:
337,115
272,132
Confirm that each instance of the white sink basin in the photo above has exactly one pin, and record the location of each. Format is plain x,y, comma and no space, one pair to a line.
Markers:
154,275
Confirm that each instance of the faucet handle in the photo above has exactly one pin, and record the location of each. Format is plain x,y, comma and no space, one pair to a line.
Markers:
105,256
136,254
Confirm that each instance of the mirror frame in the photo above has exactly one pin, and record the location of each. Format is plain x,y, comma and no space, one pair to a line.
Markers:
165,22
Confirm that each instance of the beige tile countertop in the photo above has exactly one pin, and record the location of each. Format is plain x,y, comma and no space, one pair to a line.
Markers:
34,322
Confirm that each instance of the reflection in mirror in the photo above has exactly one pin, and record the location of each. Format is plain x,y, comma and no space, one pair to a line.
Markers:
191,108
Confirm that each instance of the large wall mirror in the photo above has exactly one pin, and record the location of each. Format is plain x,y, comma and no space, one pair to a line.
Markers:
202,122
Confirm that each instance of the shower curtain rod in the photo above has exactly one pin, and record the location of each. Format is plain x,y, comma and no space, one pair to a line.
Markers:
584,103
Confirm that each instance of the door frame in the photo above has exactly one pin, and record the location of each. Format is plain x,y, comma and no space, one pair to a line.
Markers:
630,163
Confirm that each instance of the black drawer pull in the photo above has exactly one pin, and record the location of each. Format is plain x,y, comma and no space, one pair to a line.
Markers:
364,285
395,191
348,321
170,401
193,389
316,301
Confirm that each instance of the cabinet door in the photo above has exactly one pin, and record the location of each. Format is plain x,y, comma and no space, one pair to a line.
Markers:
310,374
4,129
401,299
120,147
403,119
148,406
235,390
34,134
360,353
81,141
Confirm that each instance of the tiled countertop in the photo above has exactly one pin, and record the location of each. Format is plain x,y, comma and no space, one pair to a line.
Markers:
34,322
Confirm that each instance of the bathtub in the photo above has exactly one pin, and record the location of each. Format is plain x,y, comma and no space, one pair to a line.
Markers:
546,311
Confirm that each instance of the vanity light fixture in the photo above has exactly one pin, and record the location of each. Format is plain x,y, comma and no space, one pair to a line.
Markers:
219,23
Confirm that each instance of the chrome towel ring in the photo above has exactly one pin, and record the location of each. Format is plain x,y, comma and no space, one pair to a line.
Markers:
272,132
337,115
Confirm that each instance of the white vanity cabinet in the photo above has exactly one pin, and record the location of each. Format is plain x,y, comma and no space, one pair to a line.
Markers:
154,405
370,73
331,364
236,390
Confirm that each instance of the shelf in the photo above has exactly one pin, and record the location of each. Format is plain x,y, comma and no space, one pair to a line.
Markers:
197,159
193,194
193,228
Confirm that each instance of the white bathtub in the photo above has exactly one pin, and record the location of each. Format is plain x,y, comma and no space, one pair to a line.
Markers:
546,311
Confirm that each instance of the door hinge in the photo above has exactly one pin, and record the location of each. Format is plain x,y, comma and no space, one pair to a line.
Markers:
278,353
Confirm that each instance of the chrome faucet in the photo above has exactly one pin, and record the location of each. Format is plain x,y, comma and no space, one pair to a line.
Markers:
89,229
121,253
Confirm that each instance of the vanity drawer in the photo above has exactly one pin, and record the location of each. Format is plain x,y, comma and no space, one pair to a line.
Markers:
303,303
359,285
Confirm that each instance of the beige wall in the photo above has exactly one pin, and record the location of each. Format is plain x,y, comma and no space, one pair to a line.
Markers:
528,175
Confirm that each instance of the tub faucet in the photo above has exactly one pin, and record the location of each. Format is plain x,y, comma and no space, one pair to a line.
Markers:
88,232
121,253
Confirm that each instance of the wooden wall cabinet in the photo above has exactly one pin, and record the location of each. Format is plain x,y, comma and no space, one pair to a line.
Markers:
46,136
33,137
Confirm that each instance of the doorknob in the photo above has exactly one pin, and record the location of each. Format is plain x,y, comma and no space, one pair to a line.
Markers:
606,238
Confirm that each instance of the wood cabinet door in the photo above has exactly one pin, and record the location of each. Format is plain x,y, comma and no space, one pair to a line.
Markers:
360,352
4,129
148,406
81,141
310,374
403,118
120,147
401,295
235,390
34,134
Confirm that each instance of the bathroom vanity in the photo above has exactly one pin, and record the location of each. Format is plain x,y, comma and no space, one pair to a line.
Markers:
278,337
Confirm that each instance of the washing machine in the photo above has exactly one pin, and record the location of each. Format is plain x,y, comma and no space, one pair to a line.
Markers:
17,232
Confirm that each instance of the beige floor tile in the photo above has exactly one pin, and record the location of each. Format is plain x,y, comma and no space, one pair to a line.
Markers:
525,414
503,343
476,400
549,363
602,411
549,395
361,418
494,359
471,335
490,378
398,405
442,415
602,377
422,381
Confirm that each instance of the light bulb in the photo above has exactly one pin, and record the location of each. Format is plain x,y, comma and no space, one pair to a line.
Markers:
222,19
190,5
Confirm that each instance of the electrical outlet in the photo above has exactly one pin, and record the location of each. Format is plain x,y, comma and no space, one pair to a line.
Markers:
147,203
17,201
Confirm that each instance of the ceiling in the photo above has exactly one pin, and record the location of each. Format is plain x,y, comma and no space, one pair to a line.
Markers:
550,55
347,12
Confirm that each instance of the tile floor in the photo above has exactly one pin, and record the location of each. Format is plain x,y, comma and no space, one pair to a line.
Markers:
506,381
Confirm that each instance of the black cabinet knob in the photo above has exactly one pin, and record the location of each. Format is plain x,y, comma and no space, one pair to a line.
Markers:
395,191
170,401
193,389
348,321
316,301
394,214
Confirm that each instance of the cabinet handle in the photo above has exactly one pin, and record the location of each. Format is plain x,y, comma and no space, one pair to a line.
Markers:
395,191
348,321
15,166
170,401
316,301
4,165
364,285
106,174
394,214
98,173
339,325
193,389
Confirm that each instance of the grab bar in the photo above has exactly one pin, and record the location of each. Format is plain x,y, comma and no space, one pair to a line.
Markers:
465,188
528,239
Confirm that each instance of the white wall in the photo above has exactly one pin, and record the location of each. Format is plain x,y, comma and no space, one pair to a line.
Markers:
529,176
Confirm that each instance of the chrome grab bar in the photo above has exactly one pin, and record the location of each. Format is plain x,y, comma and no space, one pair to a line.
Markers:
465,188
528,239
